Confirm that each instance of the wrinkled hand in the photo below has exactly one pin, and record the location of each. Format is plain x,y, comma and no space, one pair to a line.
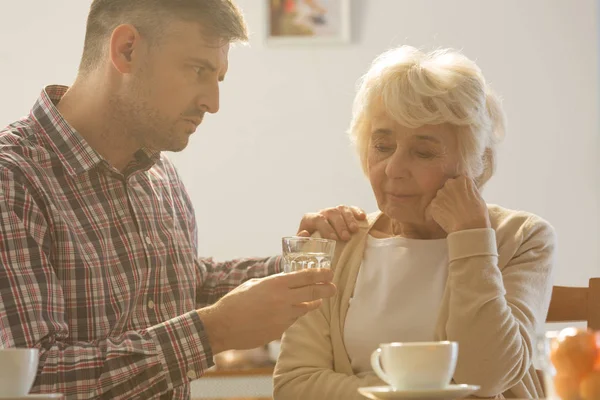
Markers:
260,310
458,206
335,223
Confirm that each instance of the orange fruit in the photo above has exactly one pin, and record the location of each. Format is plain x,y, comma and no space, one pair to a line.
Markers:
575,352
589,388
566,387
597,336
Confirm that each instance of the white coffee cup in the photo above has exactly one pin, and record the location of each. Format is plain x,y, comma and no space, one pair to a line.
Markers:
18,368
416,366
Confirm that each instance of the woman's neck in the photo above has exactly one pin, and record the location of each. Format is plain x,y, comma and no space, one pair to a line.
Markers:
387,227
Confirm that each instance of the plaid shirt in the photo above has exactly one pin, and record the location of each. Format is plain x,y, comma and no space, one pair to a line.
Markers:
98,268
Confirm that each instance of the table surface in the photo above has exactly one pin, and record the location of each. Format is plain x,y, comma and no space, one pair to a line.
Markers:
262,371
232,398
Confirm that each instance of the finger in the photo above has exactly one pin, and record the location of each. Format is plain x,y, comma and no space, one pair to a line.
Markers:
303,234
436,212
337,221
470,185
465,183
462,182
435,206
312,293
308,277
323,226
307,221
440,203
450,183
439,194
351,222
445,190
358,213
303,308
315,222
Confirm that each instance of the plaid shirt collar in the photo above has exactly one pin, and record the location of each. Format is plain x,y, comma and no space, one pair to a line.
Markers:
75,154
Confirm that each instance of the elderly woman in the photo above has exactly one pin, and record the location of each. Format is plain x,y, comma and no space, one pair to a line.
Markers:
436,263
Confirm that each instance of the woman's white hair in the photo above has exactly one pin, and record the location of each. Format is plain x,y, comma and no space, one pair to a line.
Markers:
443,86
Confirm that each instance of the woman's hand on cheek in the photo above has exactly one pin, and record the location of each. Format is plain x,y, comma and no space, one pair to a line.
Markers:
458,206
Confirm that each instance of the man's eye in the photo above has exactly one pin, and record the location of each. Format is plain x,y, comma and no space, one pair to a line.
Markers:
199,70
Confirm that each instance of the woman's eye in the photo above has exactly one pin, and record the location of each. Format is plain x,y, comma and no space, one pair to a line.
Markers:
425,154
383,149
421,154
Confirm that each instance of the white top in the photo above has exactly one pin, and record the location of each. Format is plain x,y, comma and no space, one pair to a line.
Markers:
397,296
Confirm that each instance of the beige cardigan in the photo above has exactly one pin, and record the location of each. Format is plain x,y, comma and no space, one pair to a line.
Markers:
496,297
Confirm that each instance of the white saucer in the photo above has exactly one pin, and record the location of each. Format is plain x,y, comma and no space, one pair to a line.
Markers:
34,397
388,392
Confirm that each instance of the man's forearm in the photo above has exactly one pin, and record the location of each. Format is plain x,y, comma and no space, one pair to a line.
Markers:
131,365
219,278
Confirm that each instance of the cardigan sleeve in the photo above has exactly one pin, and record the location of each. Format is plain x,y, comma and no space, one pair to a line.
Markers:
494,313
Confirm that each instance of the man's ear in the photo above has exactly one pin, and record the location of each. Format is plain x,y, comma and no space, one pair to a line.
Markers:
124,47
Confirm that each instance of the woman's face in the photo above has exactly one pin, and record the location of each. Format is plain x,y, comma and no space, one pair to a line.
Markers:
408,166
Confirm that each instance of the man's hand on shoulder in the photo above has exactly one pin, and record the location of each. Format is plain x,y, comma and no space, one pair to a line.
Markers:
337,223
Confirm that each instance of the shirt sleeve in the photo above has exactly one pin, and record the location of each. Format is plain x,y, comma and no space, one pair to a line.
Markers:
219,278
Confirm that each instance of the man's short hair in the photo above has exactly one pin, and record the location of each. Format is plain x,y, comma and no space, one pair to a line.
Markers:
221,19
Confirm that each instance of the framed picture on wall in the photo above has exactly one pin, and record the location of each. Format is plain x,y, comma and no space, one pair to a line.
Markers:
308,21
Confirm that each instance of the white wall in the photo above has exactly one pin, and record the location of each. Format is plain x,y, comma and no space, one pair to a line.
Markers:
278,149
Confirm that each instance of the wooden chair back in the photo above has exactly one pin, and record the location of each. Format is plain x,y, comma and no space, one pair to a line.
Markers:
572,304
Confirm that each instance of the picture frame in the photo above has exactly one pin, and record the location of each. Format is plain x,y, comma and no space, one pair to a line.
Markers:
302,22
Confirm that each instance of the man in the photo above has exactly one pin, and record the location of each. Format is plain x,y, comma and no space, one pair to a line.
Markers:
98,264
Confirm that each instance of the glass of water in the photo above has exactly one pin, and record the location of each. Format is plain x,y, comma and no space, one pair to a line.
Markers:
305,252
